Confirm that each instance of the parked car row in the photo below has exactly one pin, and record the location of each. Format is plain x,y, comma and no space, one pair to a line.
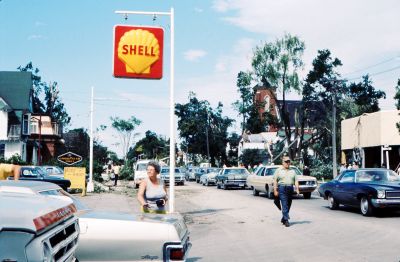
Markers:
369,189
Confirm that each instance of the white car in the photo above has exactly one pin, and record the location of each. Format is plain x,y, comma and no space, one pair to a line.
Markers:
178,175
35,226
209,178
140,171
111,236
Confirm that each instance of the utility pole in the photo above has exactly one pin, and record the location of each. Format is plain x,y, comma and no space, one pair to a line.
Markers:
208,146
334,163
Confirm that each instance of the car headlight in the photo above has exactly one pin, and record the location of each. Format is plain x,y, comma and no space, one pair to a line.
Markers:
381,193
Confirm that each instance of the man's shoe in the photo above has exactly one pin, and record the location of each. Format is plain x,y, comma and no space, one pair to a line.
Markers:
287,224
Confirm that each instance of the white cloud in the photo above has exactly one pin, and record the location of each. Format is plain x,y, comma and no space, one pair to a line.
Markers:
359,32
194,54
352,30
35,37
38,23
198,10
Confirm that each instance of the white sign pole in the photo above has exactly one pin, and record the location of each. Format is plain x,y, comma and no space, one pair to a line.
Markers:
90,185
171,104
172,124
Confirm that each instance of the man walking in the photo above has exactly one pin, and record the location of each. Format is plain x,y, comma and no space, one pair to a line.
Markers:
284,180
116,170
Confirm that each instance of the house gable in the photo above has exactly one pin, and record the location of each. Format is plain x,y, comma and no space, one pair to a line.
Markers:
16,90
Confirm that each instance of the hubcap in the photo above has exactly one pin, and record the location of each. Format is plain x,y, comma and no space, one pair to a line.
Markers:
364,205
331,201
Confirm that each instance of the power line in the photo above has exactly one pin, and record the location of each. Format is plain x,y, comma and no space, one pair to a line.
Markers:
374,65
377,73
115,105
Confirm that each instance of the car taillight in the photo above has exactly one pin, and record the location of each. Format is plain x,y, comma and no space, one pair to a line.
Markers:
176,254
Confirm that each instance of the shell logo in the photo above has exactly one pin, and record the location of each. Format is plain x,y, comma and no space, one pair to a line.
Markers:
138,52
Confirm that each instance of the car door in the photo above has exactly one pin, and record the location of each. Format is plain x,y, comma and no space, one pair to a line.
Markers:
269,178
345,187
257,178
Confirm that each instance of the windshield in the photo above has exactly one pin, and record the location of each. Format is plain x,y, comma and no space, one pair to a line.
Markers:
30,172
141,167
166,170
376,176
296,170
40,171
238,171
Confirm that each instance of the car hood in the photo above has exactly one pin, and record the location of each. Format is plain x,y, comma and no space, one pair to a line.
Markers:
212,175
384,186
33,212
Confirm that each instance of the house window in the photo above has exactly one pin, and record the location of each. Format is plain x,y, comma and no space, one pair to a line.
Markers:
267,101
2,151
25,124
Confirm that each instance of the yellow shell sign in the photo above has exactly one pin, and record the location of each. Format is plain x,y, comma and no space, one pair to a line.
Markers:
138,52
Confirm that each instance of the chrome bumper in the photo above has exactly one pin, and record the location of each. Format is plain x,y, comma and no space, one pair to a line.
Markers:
385,202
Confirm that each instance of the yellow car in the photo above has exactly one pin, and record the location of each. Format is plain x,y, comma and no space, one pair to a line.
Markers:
261,180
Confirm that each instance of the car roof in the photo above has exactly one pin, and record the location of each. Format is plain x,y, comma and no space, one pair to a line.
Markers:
26,186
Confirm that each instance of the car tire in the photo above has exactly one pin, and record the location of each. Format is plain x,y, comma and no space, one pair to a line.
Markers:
366,207
255,192
218,185
223,186
333,204
307,195
269,193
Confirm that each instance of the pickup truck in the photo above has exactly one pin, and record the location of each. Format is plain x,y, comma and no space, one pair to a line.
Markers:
36,227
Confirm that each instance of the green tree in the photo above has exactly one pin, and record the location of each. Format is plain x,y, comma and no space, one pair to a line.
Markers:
397,98
125,129
365,96
51,103
245,105
197,122
152,146
233,141
322,86
276,65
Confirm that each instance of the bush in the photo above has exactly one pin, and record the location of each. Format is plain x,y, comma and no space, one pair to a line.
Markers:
127,172
321,170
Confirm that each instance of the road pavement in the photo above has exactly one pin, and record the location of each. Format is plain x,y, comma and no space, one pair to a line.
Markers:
233,225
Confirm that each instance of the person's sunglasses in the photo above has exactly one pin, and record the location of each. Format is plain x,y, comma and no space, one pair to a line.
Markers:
287,161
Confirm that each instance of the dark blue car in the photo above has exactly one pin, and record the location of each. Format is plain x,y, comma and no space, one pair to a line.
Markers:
367,188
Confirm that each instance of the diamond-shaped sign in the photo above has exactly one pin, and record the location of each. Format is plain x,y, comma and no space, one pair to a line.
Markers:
69,158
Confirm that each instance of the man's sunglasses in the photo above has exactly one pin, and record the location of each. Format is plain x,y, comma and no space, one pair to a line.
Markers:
287,161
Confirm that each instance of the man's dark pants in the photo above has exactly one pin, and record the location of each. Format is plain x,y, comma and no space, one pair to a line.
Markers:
115,179
285,194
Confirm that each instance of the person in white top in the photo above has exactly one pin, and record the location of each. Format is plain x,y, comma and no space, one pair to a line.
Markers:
152,194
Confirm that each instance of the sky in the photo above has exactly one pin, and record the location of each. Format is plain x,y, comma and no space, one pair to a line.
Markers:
71,42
